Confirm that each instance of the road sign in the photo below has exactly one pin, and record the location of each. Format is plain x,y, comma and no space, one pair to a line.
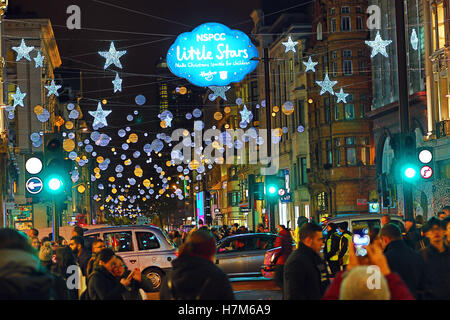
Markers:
426,172
286,198
34,185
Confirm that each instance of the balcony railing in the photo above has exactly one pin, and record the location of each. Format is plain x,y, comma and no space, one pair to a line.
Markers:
443,128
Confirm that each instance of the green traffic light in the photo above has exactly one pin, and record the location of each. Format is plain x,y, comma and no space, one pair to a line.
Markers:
55,184
410,173
272,189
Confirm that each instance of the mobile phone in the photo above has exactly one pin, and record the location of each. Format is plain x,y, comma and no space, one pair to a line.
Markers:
360,240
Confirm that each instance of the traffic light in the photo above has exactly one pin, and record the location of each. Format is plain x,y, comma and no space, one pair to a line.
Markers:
33,178
425,159
56,176
406,167
275,188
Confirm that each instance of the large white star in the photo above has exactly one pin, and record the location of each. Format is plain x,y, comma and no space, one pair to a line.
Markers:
246,114
218,91
378,45
117,83
290,45
53,89
18,97
23,51
112,56
39,60
310,65
342,96
326,85
100,116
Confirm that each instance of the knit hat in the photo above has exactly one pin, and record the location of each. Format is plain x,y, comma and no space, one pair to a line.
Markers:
46,252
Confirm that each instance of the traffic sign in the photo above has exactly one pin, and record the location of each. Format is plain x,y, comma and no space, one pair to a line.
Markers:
426,172
34,185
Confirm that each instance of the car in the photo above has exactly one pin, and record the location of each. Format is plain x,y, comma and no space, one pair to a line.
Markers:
242,254
364,221
145,247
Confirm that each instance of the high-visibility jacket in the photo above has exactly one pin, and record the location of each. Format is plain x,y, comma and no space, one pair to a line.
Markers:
344,248
333,246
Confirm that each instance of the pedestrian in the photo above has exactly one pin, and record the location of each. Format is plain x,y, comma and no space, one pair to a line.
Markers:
300,222
97,246
412,235
22,276
215,233
82,254
403,260
331,249
241,230
437,261
35,243
260,228
447,231
385,219
305,273
344,251
441,215
194,275
46,255
177,239
137,281
77,231
31,233
446,209
357,282
283,240
66,267
103,284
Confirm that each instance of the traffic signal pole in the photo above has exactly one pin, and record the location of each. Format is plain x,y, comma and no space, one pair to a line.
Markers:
403,95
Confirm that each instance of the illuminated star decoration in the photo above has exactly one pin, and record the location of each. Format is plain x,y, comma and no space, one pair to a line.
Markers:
378,45
290,45
23,51
245,114
112,56
18,97
326,85
53,89
117,83
100,116
218,91
310,65
342,96
414,40
39,60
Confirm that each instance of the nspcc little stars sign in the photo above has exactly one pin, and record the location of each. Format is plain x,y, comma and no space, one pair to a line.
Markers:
212,55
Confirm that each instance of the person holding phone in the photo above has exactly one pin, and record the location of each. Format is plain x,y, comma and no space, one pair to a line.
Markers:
353,284
136,280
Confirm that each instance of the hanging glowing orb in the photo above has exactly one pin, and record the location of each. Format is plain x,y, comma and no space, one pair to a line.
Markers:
100,159
133,138
81,188
227,109
68,145
182,90
218,116
38,110
69,125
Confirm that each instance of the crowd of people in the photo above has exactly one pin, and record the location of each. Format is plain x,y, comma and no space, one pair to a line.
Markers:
412,264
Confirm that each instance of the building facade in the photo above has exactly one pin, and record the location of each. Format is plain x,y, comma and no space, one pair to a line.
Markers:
342,175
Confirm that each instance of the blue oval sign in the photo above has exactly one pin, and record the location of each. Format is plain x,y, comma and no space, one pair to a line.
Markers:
212,55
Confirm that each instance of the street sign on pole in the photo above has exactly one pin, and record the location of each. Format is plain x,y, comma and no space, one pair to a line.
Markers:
34,185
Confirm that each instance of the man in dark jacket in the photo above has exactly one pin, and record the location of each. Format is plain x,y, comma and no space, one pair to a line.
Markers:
437,261
412,235
403,260
81,252
102,284
305,273
22,277
194,275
